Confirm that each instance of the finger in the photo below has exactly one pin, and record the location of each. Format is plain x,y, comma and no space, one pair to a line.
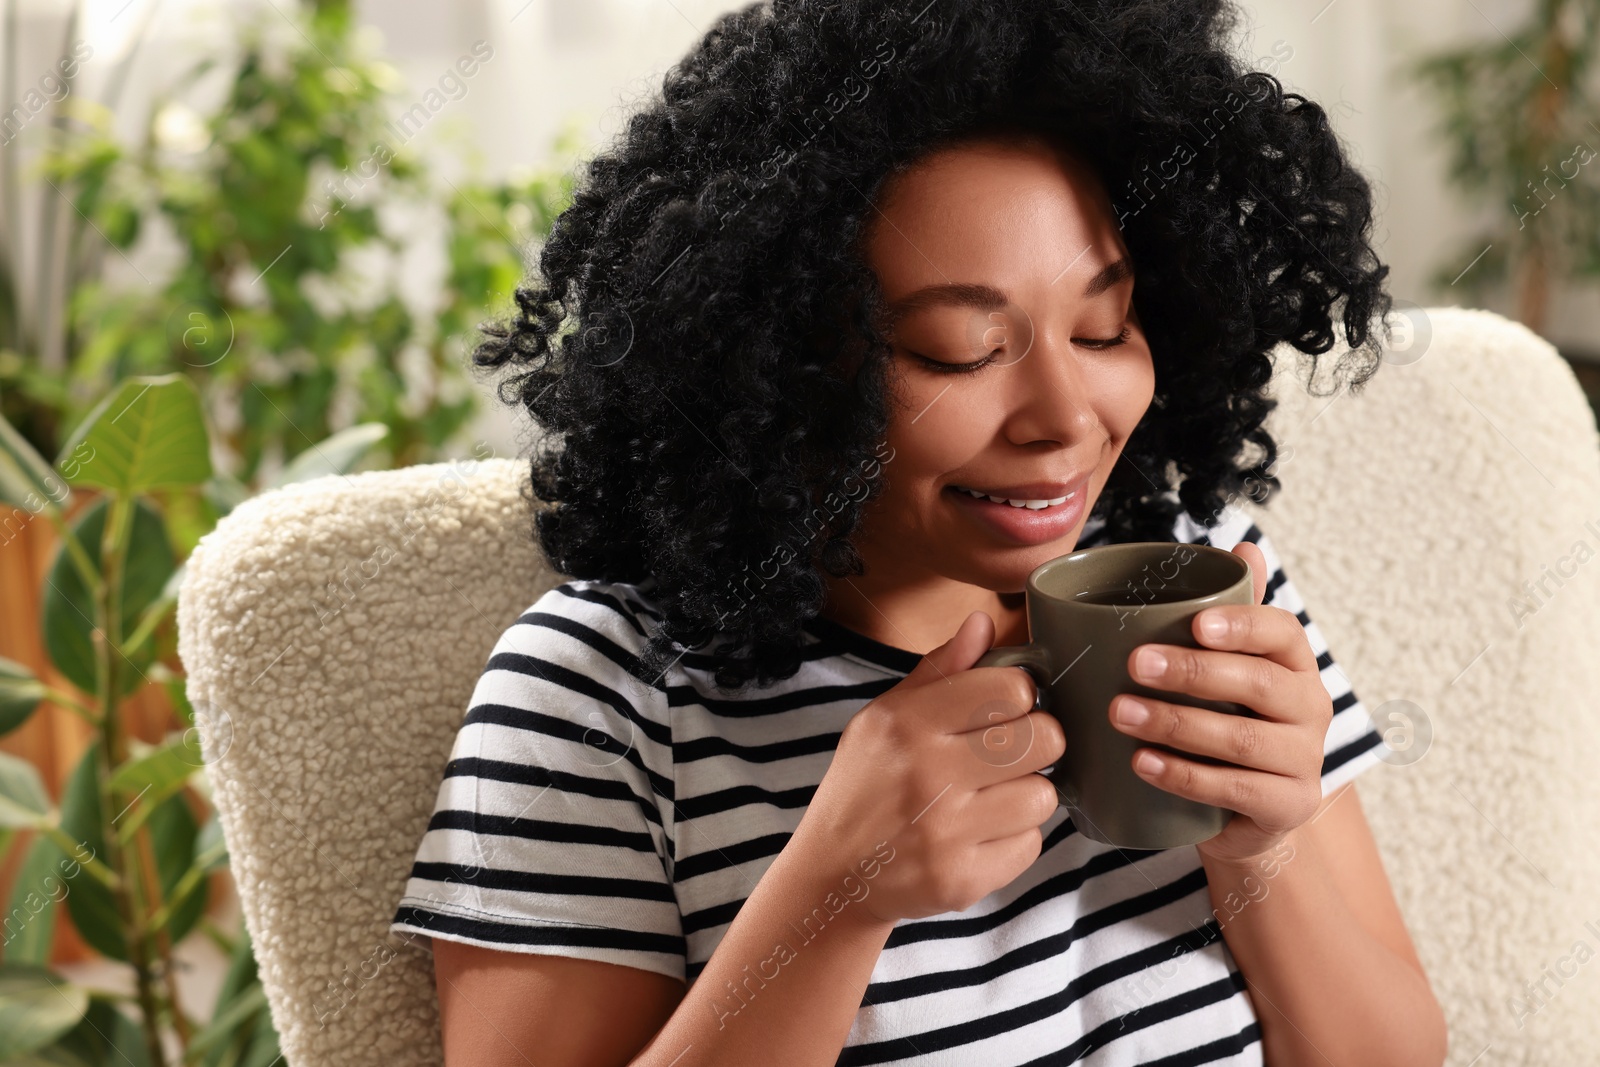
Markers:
1276,802
1010,855
1256,682
1016,745
1006,808
1252,554
1258,629
971,640
1242,739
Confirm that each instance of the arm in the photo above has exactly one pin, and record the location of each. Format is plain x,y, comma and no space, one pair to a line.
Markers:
755,998
1332,972
498,1008
1329,965
786,980
507,1009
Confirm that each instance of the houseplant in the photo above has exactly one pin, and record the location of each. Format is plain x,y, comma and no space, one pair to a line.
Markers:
1520,112
296,375
125,855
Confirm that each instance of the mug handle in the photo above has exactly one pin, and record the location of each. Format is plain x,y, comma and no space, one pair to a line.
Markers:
1031,658
1036,661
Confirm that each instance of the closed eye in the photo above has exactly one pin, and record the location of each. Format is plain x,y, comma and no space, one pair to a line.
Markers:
944,367
1120,339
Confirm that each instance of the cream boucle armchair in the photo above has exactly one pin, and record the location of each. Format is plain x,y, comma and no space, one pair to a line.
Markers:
1442,527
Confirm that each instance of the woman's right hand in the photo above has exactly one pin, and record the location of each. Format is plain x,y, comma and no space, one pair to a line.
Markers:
941,767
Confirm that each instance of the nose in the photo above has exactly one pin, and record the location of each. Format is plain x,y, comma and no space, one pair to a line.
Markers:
1048,394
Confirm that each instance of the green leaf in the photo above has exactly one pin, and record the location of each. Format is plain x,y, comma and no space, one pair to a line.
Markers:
264,1050
241,973
240,998
90,904
224,493
149,433
231,1022
36,1008
210,849
173,831
337,454
129,1047
20,693
67,616
86,1045
31,916
177,688
26,480
157,610
23,801
162,771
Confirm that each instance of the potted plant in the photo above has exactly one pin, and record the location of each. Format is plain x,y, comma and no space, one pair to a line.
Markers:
126,854
1521,117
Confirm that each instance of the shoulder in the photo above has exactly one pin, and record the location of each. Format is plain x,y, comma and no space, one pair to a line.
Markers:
580,631
621,612
1232,526
1225,529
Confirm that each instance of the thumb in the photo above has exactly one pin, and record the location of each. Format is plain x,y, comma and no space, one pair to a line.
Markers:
1257,561
971,640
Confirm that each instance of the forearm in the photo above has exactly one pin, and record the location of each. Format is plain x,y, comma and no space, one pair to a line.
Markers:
1327,993
784,984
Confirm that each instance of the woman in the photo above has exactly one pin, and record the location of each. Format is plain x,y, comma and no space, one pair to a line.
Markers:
874,311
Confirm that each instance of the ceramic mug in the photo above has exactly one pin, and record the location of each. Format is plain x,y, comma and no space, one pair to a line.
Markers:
1087,612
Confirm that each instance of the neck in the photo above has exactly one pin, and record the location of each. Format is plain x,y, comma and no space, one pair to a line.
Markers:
921,613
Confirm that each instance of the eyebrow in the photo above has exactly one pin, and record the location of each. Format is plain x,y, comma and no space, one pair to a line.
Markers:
988,298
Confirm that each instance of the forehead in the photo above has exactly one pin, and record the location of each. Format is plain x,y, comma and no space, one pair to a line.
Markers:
995,209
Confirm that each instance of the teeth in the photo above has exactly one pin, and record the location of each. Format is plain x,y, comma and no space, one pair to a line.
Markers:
1031,505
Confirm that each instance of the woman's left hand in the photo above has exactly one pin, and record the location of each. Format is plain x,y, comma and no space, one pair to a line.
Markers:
1264,662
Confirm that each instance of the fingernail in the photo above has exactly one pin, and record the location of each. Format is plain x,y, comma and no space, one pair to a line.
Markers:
1149,763
1213,625
1132,712
1151,662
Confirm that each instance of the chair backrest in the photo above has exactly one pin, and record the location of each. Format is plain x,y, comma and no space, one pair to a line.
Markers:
333,631
1442,525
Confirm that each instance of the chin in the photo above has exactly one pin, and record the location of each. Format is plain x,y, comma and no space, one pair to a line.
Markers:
1008,572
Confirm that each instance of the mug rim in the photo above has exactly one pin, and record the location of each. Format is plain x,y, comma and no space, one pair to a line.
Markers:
1237,561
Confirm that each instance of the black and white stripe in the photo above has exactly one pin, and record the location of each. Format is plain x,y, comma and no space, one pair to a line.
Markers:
588,811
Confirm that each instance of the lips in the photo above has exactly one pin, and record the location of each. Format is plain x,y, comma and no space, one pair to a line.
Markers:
1033,496
1031,513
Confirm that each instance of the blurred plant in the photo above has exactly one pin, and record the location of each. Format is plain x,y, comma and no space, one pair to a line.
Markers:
292,207
124,850
1520,113
241,260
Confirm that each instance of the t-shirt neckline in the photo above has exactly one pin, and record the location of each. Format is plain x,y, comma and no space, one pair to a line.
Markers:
844,639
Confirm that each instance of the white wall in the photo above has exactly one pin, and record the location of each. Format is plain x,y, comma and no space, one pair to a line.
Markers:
555,60
600,56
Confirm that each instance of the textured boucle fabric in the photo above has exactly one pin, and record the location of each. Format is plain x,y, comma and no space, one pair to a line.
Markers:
333,631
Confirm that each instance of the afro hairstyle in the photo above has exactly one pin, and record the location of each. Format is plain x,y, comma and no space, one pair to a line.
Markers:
703,351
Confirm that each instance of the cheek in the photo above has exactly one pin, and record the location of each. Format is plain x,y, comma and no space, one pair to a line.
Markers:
1124,398
938,429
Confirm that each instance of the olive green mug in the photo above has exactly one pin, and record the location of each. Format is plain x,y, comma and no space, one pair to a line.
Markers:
1087,612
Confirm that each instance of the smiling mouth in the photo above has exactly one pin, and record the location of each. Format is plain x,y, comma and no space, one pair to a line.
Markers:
1031,504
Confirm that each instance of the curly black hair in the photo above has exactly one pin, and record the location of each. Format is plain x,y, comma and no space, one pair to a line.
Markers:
704,349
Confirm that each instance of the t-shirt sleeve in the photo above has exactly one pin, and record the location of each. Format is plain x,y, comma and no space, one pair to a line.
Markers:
547,835
1353,743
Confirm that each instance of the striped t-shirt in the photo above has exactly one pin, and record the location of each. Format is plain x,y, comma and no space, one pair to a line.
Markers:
592,812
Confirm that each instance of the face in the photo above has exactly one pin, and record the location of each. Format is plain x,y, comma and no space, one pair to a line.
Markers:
1019,366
